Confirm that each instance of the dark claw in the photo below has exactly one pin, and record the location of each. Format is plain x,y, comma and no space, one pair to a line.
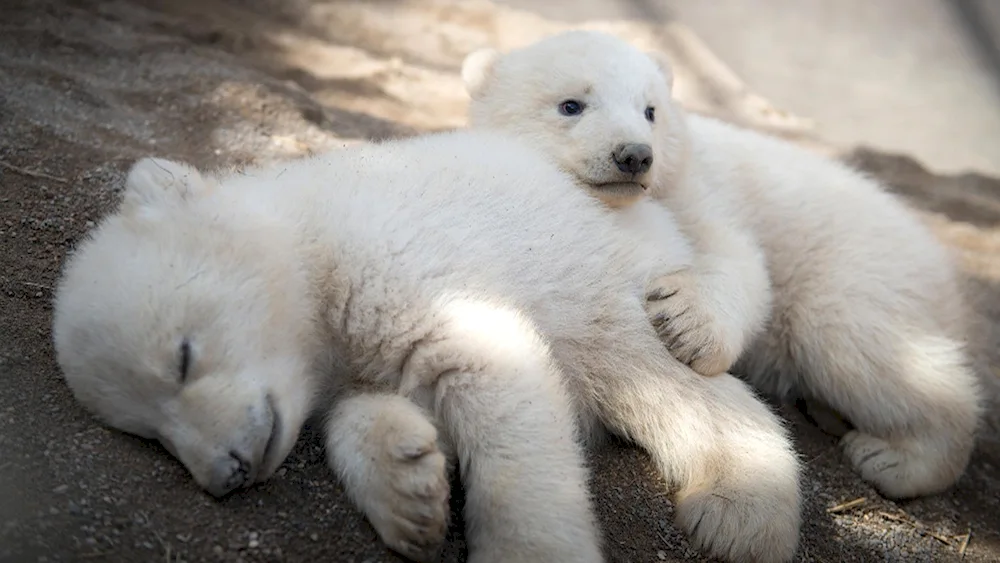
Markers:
869,456
673,341
695,355
659,325
662,329
694,529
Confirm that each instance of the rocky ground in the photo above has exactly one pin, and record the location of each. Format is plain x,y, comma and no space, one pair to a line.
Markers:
88,86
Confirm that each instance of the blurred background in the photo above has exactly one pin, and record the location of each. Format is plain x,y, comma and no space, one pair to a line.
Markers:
914,76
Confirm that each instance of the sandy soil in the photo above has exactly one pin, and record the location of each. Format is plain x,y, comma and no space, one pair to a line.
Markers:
88,86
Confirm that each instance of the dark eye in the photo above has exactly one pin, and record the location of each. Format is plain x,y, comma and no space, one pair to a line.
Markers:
571,107
185,359
650,114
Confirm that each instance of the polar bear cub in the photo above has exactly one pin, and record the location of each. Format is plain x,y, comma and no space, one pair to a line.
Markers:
822,285
461,298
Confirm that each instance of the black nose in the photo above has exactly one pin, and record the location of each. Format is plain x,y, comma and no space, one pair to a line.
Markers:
230,473
240,470
633,158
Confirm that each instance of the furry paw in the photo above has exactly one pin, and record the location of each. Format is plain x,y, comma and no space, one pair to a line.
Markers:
741,526
687,326
895,470
408,506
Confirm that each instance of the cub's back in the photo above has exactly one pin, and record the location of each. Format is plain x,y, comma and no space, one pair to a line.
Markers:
478,211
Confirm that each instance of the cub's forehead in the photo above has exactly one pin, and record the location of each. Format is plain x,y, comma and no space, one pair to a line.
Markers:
585,64
120,272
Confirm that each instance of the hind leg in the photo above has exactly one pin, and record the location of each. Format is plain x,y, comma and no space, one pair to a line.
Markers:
915,417
501,402
910,395
726,452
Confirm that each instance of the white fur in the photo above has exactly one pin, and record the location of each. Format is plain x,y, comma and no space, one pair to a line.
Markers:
463,299
822,284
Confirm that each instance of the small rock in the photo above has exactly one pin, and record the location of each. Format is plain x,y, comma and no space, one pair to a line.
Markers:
60,489
661,555
314,536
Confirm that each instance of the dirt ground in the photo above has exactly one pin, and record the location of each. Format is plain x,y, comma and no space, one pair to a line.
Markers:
88,86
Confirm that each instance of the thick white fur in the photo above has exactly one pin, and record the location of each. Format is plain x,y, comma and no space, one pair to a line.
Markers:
823,285
462,297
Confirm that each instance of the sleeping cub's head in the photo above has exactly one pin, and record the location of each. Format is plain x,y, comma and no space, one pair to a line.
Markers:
182,320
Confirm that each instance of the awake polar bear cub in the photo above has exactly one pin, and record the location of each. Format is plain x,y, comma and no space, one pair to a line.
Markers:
817,281
459,294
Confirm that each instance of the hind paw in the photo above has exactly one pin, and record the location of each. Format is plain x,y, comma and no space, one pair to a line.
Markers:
898,471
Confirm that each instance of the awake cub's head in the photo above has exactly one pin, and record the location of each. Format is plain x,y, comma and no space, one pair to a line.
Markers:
175,321
599,106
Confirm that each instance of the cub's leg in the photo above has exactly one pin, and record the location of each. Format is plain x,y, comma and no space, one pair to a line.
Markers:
729,456
911,395
385,451
500,400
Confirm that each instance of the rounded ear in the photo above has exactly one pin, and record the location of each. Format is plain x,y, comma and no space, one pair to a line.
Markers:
664,65
477,70
153,182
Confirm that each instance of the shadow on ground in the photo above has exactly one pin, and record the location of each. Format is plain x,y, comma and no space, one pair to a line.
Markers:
88,86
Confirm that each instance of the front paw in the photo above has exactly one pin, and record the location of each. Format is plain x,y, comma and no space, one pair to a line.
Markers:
408,503
738,524
687,325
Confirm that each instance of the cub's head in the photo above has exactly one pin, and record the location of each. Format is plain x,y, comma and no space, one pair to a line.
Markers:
183,320
600,107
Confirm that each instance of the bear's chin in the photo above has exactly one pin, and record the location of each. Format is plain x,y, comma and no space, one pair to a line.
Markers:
618,194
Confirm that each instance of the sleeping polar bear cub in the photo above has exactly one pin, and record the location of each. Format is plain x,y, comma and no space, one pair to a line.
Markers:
818,282
458,294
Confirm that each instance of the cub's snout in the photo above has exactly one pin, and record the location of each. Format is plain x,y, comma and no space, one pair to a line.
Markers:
232,450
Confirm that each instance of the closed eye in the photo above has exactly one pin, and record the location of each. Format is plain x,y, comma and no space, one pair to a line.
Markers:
185,365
